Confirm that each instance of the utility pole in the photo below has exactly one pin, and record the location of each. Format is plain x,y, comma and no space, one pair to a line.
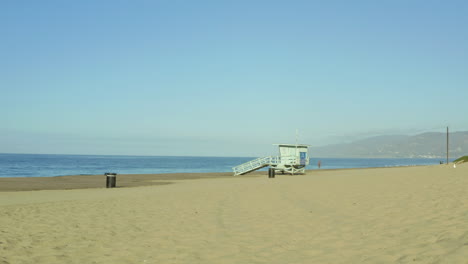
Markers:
447,145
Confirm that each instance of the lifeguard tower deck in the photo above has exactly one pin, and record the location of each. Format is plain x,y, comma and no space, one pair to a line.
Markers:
293,158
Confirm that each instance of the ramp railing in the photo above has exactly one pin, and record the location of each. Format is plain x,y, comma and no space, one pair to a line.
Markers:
255,165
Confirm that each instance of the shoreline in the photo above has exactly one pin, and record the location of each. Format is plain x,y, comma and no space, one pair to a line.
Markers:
74,182
86,165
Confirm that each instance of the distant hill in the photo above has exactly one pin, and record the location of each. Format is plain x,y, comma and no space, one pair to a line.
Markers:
426,145
461,160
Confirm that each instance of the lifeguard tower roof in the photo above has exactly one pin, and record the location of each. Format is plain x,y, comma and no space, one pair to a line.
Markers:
292,145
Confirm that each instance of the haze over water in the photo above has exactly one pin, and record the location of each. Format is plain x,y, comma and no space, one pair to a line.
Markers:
226,78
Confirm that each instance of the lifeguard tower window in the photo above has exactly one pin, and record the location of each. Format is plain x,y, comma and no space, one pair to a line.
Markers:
303,156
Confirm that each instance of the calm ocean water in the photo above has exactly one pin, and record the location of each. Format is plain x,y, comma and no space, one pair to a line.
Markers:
41,165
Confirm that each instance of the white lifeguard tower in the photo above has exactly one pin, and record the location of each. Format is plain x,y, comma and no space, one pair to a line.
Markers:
293,158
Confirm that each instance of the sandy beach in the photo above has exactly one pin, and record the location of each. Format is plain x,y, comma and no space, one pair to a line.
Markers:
384,215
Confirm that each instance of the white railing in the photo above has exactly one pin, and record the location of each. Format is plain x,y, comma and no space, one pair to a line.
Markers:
254,165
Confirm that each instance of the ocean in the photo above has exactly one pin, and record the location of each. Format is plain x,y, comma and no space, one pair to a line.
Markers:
43,165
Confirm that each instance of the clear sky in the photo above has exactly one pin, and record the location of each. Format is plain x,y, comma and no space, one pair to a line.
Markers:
226,78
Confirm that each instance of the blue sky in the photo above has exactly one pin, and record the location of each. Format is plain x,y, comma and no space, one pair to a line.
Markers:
226,78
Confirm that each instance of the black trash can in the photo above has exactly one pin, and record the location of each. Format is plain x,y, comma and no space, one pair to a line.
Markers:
271,173
111,179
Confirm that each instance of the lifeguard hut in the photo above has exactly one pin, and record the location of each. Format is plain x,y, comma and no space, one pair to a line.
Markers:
293,158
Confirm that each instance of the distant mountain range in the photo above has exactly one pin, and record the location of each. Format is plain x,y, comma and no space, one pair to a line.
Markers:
426,145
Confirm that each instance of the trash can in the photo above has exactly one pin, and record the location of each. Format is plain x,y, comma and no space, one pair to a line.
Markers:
271,173
111,179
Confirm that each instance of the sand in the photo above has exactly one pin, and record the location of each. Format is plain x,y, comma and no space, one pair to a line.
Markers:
99,181
393,215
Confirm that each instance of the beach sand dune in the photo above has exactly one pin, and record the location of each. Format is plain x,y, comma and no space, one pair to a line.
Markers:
393,215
